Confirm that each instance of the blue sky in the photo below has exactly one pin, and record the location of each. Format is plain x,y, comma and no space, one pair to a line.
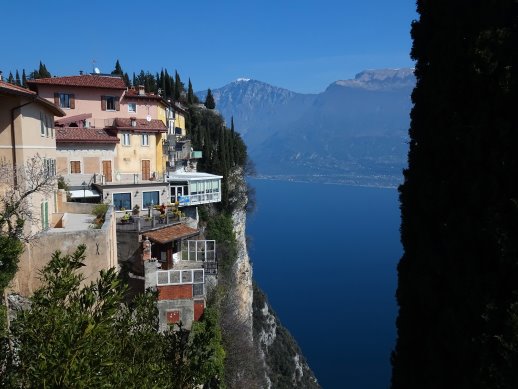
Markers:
300,45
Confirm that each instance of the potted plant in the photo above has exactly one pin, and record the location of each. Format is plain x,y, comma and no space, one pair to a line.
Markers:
136,210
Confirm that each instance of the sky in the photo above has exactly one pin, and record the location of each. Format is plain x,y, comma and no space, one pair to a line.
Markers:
302,45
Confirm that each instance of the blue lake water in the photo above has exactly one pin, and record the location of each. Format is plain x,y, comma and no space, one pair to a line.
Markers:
326,256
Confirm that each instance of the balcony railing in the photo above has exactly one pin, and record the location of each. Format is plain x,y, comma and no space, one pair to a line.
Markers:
144,223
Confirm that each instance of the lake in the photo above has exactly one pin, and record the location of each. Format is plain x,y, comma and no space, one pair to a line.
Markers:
326,256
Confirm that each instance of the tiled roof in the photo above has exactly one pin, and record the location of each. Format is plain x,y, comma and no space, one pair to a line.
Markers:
10,89
15,89
133,94
168,234
85,80
154,125
84,135
72,119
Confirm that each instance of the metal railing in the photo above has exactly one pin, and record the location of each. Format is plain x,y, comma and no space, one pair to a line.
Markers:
144,223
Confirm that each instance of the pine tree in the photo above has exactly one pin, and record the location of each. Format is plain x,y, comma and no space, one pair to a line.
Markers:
209,100
18,81
24,79
458,277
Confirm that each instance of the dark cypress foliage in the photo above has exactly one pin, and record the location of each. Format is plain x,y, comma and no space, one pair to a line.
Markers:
178,86
24,79
126,79
134,81
190,93
10,79
43,72
118,69
458,277
17,79
209,100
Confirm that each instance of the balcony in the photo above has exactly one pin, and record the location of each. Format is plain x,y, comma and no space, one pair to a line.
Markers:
145,223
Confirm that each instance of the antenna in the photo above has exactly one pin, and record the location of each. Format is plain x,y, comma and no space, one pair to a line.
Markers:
97,71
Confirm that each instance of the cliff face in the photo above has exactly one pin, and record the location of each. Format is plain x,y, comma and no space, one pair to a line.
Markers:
282,364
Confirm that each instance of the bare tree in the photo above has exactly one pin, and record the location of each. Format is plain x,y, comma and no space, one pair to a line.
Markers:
18,184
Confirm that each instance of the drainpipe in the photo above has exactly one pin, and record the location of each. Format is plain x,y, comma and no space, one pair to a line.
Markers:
13,139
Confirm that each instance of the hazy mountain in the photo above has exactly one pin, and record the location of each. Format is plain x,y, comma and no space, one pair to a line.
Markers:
355,131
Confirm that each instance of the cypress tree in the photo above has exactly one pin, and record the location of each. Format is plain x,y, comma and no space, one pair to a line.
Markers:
18,81
118,69
10,79
209,100
43,72
458,276
24,79
190,93
178,87
126,80
134,82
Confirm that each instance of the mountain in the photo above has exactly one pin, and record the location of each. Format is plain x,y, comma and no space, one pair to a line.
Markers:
354,132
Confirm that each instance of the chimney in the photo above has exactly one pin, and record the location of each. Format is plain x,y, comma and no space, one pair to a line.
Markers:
141,91
80,72
133,122
1,75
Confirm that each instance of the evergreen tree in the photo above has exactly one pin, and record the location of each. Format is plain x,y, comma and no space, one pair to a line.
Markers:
43,72
24,79
190,93
17,80
458,276
10,79
134,81
118,69
178,86
126,80
209,100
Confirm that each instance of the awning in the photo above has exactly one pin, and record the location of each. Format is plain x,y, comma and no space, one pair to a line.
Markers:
80,193
168,234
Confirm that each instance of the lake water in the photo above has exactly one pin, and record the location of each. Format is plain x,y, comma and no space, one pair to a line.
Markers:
326,256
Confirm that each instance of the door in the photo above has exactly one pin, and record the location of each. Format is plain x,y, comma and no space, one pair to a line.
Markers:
107,171
146,169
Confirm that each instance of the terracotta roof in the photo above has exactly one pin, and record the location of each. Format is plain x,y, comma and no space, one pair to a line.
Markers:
15,90
84,135
168,234
143,125
85,80
72,119
133,94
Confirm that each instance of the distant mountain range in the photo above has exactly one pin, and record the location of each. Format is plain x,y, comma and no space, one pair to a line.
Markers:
354,132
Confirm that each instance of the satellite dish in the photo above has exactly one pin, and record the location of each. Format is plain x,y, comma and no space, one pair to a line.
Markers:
148,118
97,71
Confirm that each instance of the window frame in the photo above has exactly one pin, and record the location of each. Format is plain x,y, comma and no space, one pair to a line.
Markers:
146,137
126,136
63,99
118,208
71,170
110,100
145,206
132,104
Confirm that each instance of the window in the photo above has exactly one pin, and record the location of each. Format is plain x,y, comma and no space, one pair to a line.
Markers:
43,130
75,167
132,107
145,140
126,139
122,201
50,167
109,103
149,199
64,100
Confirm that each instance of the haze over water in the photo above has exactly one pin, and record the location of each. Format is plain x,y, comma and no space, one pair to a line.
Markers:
326,256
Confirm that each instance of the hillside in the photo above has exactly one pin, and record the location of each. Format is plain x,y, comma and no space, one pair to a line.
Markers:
355,131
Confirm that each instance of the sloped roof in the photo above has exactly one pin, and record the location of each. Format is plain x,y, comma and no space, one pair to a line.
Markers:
168,234
85,80
133,94
84,135
154,125
15,90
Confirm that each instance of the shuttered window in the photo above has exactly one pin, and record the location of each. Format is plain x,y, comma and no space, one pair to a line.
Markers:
110,103
75,167
65,100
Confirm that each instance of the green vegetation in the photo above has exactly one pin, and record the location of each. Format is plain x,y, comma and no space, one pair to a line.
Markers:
88,336
458,277
209,100
99,211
